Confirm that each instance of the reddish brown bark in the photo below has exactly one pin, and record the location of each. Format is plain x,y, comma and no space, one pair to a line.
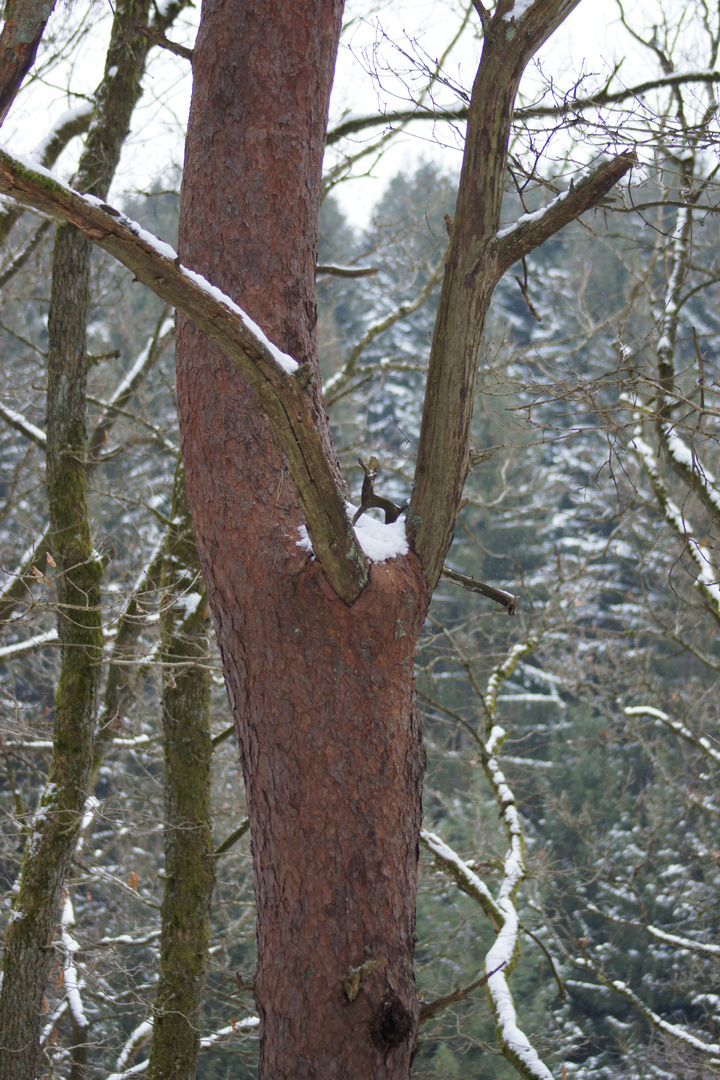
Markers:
322,693
24,25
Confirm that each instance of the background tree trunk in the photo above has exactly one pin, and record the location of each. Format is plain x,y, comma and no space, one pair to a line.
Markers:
28,944
189,865
322,694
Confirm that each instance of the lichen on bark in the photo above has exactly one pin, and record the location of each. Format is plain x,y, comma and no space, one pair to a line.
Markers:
189,863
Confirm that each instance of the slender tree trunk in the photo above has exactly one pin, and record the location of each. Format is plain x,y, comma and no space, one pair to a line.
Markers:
189,869
322,693
28,942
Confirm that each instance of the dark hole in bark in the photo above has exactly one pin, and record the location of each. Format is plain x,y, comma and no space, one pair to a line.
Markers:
392,1024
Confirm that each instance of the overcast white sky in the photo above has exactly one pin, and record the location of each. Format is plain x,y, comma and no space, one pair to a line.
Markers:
590,40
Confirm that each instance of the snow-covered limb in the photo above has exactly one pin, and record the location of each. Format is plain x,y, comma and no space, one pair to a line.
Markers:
684,460
283,398
517,10
534,215
502,672
521,237
71,122
249,1023
17,421
69,947
30,645
688,465
660,935
670,304
516,1046
503,954
708,580
138,1038
698,741
143,1033
674,1030
124,939
134,1070
466,878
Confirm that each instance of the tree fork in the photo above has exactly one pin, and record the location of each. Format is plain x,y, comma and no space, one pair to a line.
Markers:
477,259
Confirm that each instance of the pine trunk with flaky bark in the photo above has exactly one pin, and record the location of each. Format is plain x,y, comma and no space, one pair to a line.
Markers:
322,693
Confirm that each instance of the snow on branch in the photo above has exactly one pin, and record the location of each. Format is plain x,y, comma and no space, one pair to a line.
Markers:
502,672
698,741
465,877
503,954
702,947
707,582
139,1038
143,1033
673,1030
686,463
268,370
69,947
17,421
21,647
529,231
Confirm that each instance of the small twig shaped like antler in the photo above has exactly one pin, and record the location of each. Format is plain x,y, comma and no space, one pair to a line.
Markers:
369,499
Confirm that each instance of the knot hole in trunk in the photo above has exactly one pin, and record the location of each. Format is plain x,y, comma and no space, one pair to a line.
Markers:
392,1024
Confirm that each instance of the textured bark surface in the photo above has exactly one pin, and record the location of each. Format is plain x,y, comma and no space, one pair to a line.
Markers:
472,272
322,693
28,950
24,25
189,864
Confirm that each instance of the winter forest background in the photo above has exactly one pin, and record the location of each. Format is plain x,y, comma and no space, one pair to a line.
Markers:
593,498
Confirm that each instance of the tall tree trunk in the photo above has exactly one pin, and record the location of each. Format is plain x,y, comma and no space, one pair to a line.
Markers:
322,693
189,864
28,942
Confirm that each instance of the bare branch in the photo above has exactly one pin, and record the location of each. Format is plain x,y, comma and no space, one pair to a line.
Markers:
165,43
505,599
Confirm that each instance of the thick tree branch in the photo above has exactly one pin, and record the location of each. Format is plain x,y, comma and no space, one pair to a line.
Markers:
530,231
472,272
281,395
74,122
